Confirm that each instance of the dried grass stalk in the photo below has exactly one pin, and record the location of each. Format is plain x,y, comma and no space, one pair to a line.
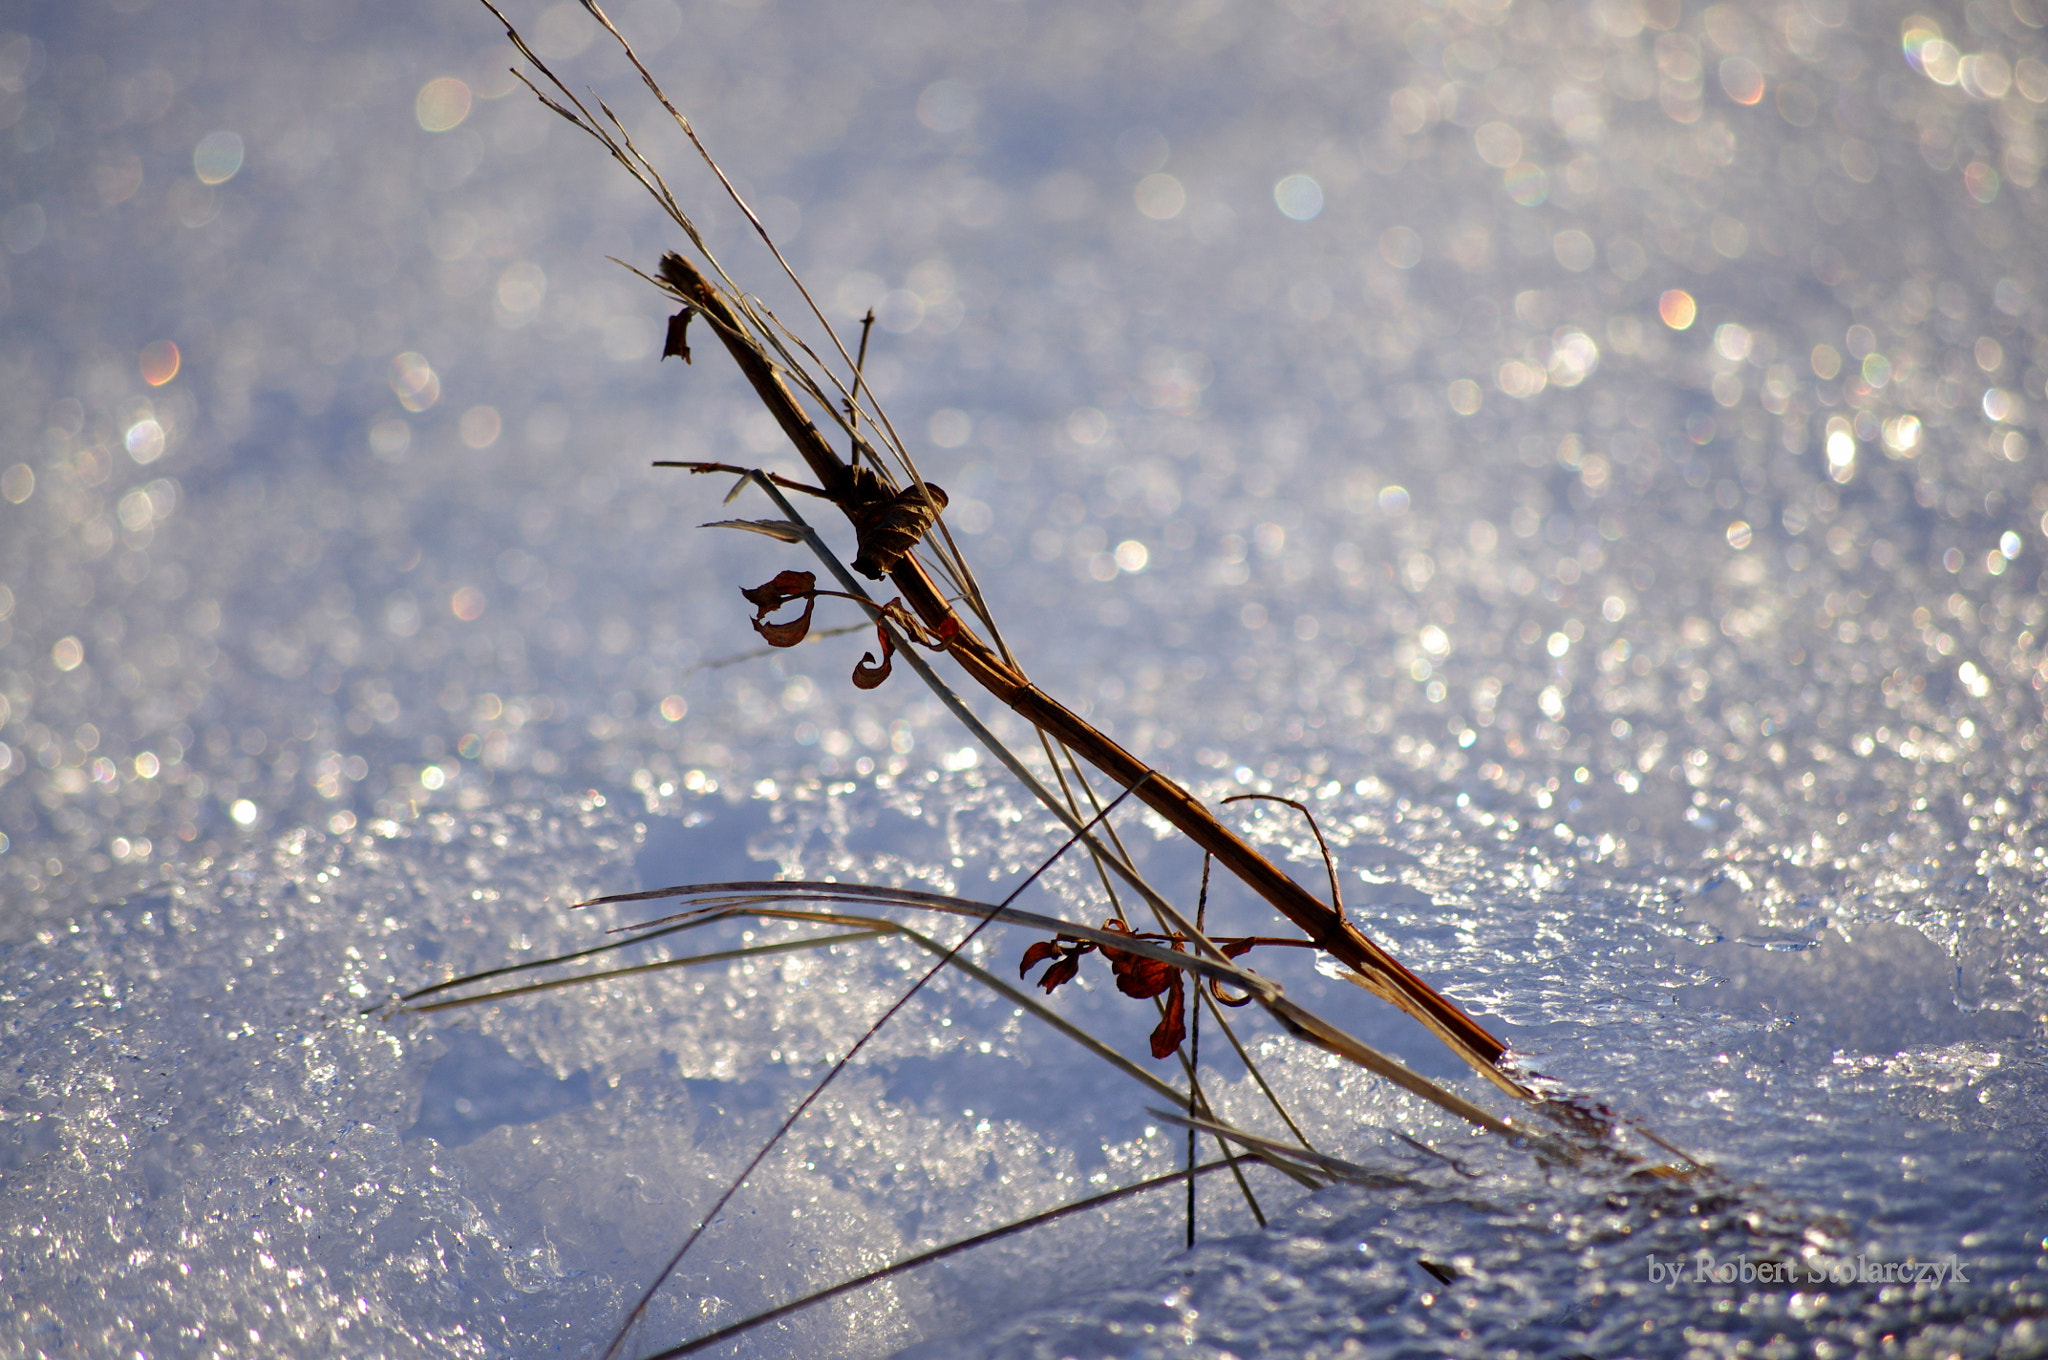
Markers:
898,519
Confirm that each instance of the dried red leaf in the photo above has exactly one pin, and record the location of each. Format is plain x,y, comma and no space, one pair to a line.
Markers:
1037,954
1172,1030
1062,972
870,673
787,586
1231,949
678,342
1140,977
772,595
949,628
787,634
1137,975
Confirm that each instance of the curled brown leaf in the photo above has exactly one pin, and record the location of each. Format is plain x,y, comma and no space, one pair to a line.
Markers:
887,527
870,672
772,595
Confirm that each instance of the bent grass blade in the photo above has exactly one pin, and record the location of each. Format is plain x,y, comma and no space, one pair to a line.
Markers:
639,1309
1294,1018
1101,1201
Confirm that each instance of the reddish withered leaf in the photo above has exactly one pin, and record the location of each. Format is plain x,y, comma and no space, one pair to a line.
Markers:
787,634
1037,954
870,673
767,598
1231,949
1172,1030
1061,973
678,342
1140,977
1136,975
787,586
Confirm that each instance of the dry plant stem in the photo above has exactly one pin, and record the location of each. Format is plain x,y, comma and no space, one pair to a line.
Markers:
952,953
1195,1047
637,970
1293,1018
1384,975
869,928
1329,860
1336,1168
1302,1023
936,1254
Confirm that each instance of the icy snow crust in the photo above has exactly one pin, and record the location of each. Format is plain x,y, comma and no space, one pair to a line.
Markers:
1318,401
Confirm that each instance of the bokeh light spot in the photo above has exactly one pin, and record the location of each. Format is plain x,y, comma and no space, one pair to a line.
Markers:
1401,247
481,426
389,439
1161,197
18,483
442,104
217,158
1498,144
1527,183
1574,250
145,441
1902,435
414,381
946,106
1299,197
521,288
563,30
1984,75
1742,80
1573,357
1677,309
160,362
1521,380
950,428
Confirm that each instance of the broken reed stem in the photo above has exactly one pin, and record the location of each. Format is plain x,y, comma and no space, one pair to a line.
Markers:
1380,972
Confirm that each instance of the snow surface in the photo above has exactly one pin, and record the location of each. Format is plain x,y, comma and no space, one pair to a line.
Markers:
1308,381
